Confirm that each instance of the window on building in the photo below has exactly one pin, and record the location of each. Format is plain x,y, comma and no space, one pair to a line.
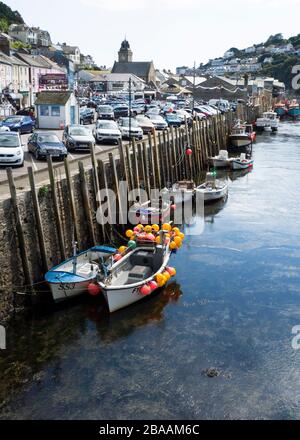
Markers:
55,110
44,110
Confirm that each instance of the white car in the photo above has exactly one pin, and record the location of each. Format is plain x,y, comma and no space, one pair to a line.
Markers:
107,131
134,131
158,121
4,129
11,150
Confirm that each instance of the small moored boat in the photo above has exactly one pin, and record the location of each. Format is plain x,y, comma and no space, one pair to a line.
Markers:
241,163
141,271
239,138
213,189
220,161
182,191
149,212
268,120
72,277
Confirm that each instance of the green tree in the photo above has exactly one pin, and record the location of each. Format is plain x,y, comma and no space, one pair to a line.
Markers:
19,45
4,25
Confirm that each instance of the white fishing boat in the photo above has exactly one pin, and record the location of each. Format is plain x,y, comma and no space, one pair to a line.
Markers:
133,277
269,120
242,163
149,212
181,191
73,277
240,138
212,189
220,161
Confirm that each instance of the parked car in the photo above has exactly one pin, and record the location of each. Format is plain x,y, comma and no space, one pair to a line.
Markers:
184,115
204,110
77,137
92,104
173,120
134,131
153,111
107,131
137,109
43,144
105,112
27,111
145,124
11,150
87,116
158,121
21,124
121,111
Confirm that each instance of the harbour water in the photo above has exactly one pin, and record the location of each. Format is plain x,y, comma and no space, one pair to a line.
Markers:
232,307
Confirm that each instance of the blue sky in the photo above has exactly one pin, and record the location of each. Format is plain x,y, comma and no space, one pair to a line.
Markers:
170,32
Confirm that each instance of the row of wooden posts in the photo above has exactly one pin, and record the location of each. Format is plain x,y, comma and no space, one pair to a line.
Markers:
156,163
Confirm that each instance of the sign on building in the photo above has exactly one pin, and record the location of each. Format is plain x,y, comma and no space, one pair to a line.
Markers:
53,81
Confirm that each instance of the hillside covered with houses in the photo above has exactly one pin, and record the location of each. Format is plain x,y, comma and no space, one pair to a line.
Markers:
275,57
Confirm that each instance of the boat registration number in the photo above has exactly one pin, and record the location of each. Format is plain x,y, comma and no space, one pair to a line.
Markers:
64,286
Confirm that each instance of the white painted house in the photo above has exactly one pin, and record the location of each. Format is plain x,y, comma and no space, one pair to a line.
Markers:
55,110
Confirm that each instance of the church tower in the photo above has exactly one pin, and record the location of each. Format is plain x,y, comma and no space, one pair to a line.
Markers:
125,53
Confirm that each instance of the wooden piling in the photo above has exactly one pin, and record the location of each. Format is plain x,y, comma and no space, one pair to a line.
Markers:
20,233
56,209
72,203
38,220
86,202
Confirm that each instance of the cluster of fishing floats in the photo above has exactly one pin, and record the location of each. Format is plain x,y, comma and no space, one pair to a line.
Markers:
168,236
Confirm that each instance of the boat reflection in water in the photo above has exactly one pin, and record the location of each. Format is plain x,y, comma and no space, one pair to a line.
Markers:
111,327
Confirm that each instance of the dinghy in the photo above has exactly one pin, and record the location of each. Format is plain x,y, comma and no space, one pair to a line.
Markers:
144,213
72,277
182,191
141,271
220,161
242,163
212,189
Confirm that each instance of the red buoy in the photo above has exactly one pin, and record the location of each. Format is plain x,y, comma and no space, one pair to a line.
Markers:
189,152
94,289
145,290
153,285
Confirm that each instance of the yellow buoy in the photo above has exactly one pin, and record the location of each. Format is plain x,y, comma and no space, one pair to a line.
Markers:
155,228
122,249
148,229
129,233
178,241
173,246
167,227
158,240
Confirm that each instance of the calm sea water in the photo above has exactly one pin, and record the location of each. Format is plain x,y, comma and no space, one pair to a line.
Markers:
232,307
